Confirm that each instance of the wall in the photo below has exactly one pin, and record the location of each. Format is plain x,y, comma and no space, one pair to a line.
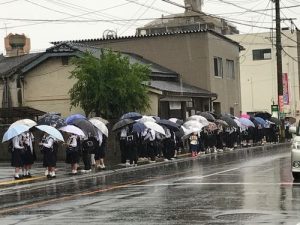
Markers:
228,89
258,75
46,88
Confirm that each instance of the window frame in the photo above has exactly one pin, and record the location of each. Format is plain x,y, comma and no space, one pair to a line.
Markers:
259,54
230,71
218,67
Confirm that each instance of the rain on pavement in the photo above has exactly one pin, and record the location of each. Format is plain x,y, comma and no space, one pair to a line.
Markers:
242,187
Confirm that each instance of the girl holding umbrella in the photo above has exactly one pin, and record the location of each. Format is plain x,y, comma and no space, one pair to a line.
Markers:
49,155
16,160
29,155
72,153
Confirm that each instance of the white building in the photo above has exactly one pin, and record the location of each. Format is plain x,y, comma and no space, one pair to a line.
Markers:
259,74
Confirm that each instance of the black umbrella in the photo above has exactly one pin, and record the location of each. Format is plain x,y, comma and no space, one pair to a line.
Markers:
229,121
169,124
275,120
254,121
229,115
291,119
122,123
180,133
54,120
131,115
138,127
86,126
207,115
264,115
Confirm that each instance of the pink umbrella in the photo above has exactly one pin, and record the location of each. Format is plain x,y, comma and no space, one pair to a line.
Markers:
245,115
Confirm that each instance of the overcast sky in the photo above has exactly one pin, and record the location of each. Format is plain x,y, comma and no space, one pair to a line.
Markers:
28,17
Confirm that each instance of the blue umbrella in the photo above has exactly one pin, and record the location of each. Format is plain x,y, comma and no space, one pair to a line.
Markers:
260,120
52,131
138,127
72,118
14,131
131,115
246,122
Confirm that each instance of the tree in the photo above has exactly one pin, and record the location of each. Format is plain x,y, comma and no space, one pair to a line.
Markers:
110,85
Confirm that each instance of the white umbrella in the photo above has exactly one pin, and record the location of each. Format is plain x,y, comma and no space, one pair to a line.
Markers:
52,131
14,131
193,124
101,119
191,130
28,122
100,126
146,119
198,118
155,127
73,130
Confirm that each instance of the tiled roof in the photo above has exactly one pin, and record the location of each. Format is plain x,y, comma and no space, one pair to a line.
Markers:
153,35
179,88
10,65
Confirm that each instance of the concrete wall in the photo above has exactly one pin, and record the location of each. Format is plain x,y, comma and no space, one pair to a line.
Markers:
190,55
227,88
259,77
154,102
46,88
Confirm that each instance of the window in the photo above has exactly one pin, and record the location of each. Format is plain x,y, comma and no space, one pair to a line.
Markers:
261,54
218,66
230,68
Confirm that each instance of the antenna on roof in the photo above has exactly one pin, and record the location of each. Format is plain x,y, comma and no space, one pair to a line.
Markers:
109,34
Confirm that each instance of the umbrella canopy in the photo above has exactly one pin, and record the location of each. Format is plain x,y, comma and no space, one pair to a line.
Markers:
28,122
246,122
101,119
169,124
175,120
72,130
228,115
122,123
239,124
200,119
193,124
14,131
86,126
245,115
275,120
131,115
264,115
100,126
188,132
146,119
222,123
155,127
230,121
138,127
72,118
260,120
208,116
291,119
52,120
51,131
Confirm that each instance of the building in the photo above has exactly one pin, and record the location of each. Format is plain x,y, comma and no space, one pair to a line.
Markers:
203,58
192,19
39,83
259,73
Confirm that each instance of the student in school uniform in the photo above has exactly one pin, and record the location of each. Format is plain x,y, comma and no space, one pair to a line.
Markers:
100,151
29,155
16,156
72,153
49,155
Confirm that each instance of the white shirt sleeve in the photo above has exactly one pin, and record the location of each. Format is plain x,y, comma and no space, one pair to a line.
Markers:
73,142
16,142
49,143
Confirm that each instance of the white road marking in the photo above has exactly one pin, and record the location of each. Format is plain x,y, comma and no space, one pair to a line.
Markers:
214,183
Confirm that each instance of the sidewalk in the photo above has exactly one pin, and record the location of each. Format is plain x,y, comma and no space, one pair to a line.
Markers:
63,169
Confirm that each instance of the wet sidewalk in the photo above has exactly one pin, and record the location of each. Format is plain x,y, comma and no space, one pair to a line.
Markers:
63,170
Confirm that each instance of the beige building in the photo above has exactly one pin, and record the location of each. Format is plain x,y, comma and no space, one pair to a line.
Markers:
203,58
259,74
37,83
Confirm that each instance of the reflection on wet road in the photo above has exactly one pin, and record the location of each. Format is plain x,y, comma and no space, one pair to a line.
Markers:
238,188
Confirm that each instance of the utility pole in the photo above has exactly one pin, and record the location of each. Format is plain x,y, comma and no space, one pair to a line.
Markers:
279,66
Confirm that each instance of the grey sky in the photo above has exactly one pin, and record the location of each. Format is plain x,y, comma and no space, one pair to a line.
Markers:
43,32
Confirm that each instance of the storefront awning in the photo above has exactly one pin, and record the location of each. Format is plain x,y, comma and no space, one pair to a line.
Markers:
20,112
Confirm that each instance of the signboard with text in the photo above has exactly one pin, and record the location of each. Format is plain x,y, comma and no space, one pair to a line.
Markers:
285,86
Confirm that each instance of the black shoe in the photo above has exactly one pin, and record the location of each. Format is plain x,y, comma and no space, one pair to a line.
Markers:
48,176
17,177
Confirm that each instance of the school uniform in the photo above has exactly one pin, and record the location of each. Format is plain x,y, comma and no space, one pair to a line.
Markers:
100,150
29,154
17,151
72,151
49,154
150,140
123,135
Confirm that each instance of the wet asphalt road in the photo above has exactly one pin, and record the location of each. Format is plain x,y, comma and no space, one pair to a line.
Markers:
237,188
